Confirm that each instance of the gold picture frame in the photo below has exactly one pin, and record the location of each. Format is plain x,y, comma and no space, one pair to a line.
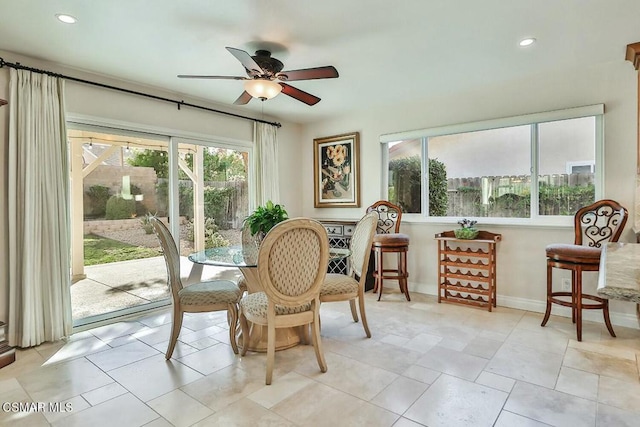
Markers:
336,171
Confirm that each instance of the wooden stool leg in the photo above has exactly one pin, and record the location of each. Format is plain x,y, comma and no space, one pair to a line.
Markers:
574,296
578,305
402,271
374,272
399,272
379,264
547,313
607,321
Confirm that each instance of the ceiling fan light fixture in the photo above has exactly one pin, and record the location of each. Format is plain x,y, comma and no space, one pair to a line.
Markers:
67,19
527,42
262,88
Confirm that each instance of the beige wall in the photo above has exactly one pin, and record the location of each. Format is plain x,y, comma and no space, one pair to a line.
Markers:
521,255
107,104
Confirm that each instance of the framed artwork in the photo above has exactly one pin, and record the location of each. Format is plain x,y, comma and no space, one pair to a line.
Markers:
336,171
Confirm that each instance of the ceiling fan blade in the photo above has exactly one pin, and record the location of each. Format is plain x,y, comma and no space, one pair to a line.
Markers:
300,95
328,72
243,99
194,76
245,59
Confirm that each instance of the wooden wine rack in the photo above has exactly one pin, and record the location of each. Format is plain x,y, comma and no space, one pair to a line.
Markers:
467,269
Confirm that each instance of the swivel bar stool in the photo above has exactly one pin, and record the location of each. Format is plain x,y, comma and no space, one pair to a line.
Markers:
388,239
594,225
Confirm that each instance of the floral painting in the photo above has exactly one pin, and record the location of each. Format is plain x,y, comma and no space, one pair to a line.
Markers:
336,171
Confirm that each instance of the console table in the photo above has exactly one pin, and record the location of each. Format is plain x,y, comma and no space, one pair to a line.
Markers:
339,233
467,269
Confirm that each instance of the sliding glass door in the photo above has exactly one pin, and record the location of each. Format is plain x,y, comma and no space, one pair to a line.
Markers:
213,198
118,179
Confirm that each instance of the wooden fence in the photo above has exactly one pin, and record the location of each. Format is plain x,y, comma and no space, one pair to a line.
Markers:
509,196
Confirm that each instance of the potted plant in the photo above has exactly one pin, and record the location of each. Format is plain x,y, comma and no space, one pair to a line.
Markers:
466,230
264,218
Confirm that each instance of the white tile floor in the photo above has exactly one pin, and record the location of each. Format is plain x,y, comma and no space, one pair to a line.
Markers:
427,364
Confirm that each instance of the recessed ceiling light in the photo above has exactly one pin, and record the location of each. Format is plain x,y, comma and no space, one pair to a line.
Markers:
67,19
527,42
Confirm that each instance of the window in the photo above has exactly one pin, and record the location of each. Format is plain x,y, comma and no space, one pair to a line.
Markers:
485,169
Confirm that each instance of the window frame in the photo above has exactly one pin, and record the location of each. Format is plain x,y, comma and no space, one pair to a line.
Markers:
533,120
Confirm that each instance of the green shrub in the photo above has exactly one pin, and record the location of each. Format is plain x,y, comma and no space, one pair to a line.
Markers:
135,189
405,178
98,196
565,199
215,240
119,208
147,225
438,196
510,205
216,204
212,239
185,200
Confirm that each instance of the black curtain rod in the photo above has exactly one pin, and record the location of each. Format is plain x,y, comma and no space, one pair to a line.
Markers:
19,66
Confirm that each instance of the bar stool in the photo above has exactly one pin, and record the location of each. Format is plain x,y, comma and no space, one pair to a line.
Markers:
388,239
594,225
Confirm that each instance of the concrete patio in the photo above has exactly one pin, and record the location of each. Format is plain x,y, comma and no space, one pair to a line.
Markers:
126,284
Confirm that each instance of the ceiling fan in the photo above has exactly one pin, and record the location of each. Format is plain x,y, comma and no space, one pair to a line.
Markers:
266,79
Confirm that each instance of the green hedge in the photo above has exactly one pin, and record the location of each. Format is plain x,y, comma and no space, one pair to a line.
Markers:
438,196
216,203
406,182
565,199
98,196
119,208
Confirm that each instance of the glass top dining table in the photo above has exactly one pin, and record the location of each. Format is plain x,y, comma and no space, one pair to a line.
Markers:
246,259
239,256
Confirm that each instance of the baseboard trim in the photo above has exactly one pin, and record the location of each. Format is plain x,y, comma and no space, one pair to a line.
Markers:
627,320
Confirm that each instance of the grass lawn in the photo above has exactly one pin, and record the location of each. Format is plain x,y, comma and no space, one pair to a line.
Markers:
100,250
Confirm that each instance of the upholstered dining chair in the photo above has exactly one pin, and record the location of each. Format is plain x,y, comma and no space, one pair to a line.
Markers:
214,295
292,265
350,287
594,225
388,239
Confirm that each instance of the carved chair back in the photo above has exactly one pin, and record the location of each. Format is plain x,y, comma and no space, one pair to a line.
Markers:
389,216
599,223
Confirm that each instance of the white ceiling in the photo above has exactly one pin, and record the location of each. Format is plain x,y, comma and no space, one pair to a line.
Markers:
385,51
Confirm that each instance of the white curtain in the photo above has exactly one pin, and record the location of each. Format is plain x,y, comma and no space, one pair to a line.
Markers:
38,211
266,164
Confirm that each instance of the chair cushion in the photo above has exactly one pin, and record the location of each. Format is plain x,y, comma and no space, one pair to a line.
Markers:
574,253
255,306
393,239
212,292
337,284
